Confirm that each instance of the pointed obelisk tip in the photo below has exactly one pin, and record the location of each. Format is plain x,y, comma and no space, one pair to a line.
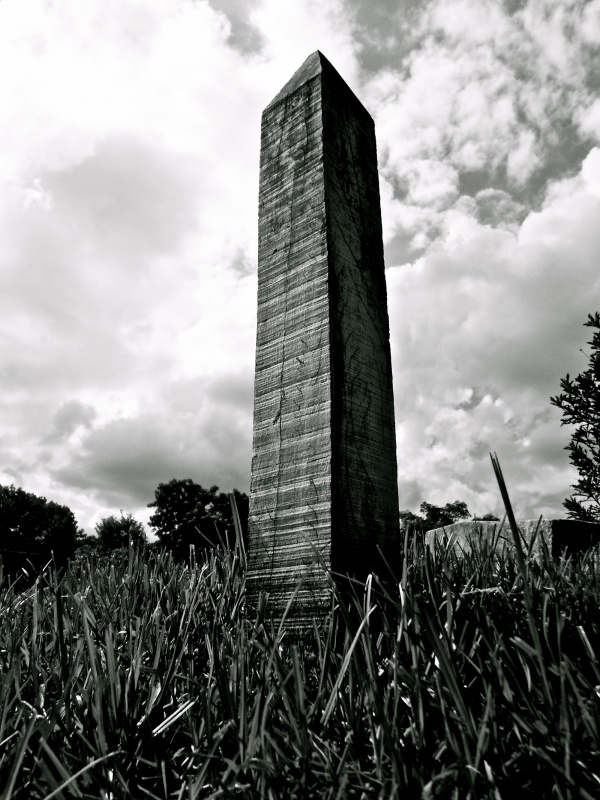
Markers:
312,67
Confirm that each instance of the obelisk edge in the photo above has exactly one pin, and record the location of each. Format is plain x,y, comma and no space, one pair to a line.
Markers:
312,67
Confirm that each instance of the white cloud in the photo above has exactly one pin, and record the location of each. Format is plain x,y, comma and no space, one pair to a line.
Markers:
488,93
292,31
590,172
523,160
588,119
432,183
483,330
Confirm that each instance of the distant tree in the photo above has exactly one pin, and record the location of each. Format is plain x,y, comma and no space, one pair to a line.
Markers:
435,516
188,514
438,516
114,532
487,518
34,530
410,518
86,545
579,402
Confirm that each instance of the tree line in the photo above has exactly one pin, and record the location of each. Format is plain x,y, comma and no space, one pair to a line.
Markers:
34,531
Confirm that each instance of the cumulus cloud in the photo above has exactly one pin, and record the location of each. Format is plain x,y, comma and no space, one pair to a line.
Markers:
243,34
71,416
483,329
508,96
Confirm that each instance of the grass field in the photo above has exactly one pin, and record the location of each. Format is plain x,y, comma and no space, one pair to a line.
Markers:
143,678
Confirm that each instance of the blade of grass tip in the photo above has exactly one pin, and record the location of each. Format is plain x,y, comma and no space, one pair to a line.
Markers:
179,712
62,647
324,651
523,569
20,754
34,643
332,697
386,566
496,534
59,766
237,525
79,773
130,556
511,518
532,541
288,609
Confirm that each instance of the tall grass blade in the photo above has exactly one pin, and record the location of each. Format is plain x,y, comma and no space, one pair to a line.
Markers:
516,534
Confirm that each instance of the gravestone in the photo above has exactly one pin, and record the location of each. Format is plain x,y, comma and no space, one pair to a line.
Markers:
323,494
559,536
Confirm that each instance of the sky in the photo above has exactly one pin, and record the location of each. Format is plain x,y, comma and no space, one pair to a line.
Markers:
129,147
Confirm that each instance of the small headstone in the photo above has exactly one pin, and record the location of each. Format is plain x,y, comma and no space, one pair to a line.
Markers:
559,535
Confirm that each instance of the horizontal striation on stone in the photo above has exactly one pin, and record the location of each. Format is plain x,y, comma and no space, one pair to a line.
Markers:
323,488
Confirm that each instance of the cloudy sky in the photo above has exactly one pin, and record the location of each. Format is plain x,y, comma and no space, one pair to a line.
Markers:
129,142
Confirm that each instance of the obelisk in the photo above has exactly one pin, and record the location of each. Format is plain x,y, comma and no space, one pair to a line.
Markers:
323,493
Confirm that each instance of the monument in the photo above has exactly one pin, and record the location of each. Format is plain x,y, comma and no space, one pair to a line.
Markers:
323,494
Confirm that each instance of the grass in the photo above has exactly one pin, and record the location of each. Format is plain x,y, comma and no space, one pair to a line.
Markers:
475,677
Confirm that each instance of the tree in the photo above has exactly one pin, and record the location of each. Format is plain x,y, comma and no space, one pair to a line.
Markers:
188,514
438,516
435,516
34,530
87,544
579,402
114,533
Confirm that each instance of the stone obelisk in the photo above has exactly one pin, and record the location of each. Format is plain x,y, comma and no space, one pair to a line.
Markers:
323,492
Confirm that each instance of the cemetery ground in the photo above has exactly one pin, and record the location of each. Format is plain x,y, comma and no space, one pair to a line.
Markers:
140,677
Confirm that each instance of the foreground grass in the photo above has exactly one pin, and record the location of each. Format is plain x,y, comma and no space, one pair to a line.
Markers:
144,678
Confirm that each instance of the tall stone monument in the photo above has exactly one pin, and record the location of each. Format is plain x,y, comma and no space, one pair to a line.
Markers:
324,480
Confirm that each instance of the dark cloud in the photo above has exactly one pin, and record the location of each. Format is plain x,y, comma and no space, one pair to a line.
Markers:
563,146
499,209
385,31
242,265
130,200
412,494
401,249
203,433
234,390
70,416
244,35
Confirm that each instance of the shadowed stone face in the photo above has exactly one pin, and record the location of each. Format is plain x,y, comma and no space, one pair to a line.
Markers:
323,487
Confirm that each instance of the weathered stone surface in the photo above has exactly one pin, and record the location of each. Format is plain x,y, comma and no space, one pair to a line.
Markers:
558,534
324,480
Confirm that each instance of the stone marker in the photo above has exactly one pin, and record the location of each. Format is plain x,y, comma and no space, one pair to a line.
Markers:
323,490
558,534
